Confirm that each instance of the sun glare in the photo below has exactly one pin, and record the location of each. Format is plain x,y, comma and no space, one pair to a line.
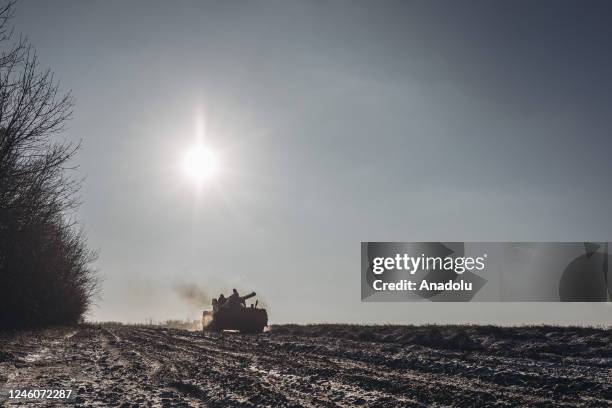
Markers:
200,164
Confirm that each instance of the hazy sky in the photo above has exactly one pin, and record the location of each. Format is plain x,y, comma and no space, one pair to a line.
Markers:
335,122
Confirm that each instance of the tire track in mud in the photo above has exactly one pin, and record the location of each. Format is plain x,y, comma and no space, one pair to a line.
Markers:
147,366
464,381
33,363
479,373
221,376
361,378
268,369
416,384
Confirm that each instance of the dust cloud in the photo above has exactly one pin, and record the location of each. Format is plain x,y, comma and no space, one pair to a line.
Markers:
193,294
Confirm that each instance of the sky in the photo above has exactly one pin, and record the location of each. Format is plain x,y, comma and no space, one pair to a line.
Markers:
334,123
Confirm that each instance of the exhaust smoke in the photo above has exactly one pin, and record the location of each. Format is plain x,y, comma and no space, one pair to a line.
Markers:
194,295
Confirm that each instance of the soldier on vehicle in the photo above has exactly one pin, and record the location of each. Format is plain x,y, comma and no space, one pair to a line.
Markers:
241,299
234,299
232,314
222,300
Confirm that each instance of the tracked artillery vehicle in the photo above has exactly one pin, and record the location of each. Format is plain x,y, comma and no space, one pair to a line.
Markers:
233,314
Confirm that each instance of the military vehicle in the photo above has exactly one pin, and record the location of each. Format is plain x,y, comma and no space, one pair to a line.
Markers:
235,315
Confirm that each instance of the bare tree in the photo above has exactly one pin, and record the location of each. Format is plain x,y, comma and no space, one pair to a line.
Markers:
45,269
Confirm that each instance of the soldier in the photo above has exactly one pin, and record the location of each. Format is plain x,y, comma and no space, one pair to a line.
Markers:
221,302
234,299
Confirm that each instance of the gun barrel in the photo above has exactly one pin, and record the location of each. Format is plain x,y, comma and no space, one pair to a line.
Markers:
250,295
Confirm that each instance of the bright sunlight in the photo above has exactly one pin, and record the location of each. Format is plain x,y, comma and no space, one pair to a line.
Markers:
200,164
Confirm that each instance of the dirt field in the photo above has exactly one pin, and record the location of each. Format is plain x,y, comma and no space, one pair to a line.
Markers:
315,366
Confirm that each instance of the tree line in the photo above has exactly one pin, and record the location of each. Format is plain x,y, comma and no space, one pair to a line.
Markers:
46,274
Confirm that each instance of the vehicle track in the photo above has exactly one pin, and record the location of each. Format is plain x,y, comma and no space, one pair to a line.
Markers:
149,366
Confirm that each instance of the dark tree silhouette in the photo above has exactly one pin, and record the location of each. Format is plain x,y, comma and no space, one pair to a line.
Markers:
45,273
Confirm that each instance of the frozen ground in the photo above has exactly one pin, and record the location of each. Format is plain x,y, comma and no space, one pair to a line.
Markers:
319,365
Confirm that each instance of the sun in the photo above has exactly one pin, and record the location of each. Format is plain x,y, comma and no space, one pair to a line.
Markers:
200,164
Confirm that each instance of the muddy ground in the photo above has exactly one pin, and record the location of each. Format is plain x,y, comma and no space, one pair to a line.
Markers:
383,366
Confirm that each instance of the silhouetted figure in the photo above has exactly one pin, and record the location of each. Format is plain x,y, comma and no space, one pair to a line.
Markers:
222,300
234,299
233,314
